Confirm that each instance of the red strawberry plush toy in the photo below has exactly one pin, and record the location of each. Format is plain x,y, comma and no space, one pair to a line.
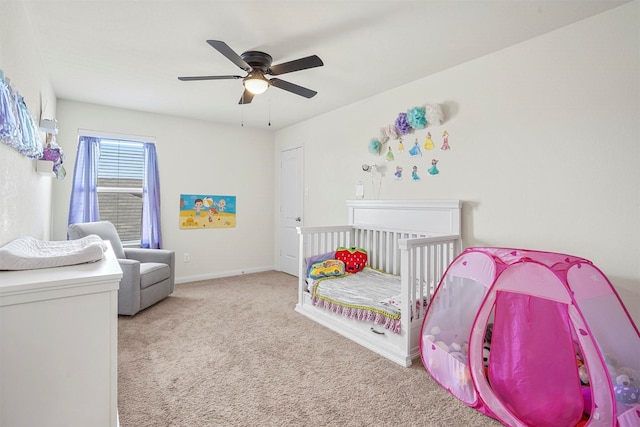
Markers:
354,258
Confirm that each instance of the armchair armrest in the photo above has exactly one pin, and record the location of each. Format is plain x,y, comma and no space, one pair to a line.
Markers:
129,292
164,256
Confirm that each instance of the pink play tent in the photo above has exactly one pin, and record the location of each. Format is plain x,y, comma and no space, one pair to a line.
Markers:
533,339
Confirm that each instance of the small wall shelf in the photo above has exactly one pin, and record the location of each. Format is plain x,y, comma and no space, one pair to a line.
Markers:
44,167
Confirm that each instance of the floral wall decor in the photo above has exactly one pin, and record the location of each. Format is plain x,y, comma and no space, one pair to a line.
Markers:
374,146
390,141
416,118
402,125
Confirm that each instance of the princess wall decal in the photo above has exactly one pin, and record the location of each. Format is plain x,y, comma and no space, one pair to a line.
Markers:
414,174
428,144
445,141
415,150
398,173
433,170
390,156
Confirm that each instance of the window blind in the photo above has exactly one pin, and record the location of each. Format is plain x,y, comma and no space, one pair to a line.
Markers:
120,185
121,160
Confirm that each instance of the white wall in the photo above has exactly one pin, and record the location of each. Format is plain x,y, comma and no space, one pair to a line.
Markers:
194,157
25,196
544,140
545,147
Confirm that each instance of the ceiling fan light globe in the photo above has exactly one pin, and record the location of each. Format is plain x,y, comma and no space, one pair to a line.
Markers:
256,84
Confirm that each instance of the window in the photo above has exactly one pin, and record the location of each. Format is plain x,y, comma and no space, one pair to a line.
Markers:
116,179
120,186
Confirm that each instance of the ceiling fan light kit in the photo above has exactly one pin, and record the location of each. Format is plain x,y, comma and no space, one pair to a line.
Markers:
255,83
257,65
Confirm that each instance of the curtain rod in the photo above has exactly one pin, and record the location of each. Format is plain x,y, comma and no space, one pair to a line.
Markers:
113,135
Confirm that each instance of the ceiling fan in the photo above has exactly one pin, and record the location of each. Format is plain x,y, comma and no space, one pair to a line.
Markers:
257,65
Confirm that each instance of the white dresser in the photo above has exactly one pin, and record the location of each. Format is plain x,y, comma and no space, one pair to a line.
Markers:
58,345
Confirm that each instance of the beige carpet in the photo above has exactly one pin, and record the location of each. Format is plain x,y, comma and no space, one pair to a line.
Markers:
233,352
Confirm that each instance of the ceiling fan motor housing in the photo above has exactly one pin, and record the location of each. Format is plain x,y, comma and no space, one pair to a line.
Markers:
257,60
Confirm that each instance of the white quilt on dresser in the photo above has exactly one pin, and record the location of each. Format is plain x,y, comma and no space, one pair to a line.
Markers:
27,253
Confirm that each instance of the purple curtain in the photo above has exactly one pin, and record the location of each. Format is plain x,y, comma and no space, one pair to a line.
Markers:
151,234
84,196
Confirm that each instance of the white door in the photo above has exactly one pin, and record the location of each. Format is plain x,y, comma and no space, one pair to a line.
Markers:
291,202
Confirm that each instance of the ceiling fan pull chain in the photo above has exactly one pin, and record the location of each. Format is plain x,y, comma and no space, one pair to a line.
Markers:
269,110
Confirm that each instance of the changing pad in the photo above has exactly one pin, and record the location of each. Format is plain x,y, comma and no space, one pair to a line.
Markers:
27,253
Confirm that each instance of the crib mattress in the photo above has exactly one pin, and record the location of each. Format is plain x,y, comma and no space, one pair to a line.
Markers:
369,295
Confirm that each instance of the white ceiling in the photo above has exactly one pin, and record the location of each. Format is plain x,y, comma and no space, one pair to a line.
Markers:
129,54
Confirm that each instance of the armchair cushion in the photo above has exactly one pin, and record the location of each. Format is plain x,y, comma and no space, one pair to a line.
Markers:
152,273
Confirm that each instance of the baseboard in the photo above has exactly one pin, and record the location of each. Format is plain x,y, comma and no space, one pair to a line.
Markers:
199,277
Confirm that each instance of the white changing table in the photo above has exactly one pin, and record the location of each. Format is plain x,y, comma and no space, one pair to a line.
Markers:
58,345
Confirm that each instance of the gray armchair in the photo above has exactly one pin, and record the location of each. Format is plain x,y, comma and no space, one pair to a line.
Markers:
148,275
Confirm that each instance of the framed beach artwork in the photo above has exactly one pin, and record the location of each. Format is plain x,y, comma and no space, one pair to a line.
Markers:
207,211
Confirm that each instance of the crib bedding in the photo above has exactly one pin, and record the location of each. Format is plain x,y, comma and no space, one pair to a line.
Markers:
369,295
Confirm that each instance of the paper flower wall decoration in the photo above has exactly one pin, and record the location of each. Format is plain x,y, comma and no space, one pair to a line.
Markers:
374,146
390,131
402,126
416,118
434,114
383,137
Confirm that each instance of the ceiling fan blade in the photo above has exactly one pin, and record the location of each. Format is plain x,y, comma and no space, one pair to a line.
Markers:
296,65
189,79
293,88
231,55
246,97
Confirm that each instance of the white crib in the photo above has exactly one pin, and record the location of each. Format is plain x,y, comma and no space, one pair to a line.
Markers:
414,239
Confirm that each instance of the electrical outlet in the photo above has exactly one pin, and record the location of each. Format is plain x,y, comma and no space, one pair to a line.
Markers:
187,257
